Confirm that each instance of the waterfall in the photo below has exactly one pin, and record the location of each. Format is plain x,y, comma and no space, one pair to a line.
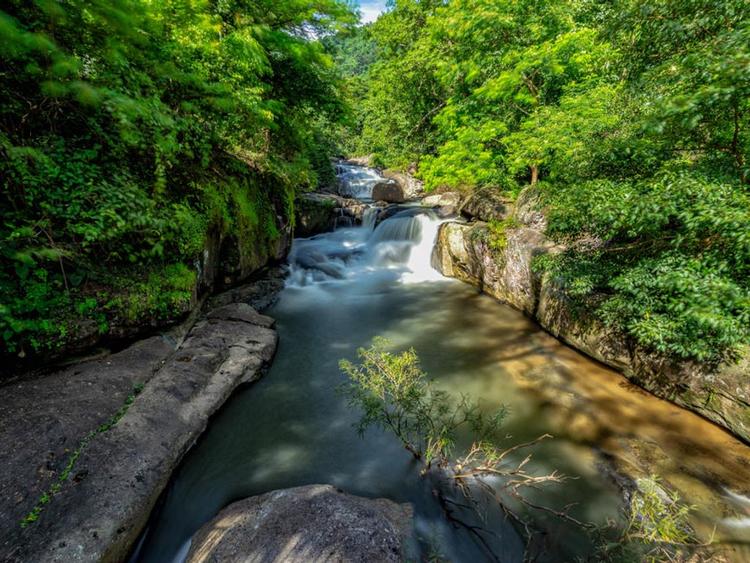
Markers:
369,218
357,181
400,247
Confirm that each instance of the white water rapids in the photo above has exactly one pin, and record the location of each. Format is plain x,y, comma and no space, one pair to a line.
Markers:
357,181
399,246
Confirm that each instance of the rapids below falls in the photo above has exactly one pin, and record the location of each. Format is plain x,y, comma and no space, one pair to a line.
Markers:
292,428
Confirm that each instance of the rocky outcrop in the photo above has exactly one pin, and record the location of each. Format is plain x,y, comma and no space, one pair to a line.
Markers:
446,204
319,212
486,205
500,264
303,524
411,187
359,160
464,251
390,192
102,459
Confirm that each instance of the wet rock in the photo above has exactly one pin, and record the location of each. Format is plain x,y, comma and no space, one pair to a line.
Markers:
389,211
319,212
260,294
122,470
314,214
390,192
303,524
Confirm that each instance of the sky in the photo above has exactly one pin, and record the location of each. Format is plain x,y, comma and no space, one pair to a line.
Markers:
371,9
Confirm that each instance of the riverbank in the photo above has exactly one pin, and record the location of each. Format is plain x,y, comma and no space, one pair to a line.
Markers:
496,251
89,448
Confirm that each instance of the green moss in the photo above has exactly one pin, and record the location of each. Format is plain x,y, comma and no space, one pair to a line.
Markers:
164,295
498,232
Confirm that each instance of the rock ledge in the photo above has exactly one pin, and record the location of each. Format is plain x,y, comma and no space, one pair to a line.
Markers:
98,512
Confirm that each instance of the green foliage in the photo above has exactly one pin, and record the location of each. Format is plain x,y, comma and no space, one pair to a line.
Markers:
394,394
657,529
632,116
674,269
498,238
129,129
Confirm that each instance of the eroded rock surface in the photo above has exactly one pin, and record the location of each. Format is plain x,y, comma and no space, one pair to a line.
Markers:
305,524
103,505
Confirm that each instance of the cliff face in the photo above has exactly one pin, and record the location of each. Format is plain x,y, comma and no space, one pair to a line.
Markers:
504,271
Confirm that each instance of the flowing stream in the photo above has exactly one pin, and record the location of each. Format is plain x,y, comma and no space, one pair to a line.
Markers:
293,428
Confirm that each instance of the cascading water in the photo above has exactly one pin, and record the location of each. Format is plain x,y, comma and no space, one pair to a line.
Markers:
357,181
400,246
291,428
370,218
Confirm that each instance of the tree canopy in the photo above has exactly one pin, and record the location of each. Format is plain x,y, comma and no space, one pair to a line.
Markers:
632,120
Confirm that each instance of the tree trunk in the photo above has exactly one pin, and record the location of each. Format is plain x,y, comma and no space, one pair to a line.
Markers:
534,174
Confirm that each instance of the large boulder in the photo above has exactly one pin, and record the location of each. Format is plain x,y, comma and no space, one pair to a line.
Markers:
319,212
446,203
412,187
304,524
486,205
390,192
466,252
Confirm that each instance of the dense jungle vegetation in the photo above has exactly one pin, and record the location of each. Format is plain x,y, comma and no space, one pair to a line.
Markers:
131,130
630,118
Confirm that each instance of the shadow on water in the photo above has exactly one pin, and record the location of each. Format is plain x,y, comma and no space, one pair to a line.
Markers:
292,428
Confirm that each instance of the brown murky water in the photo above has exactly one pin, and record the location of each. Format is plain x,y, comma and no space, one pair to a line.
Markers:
504,357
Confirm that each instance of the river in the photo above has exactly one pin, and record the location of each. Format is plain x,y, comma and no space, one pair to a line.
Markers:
293,428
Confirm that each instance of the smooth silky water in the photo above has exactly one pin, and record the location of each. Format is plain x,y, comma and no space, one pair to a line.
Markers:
293,428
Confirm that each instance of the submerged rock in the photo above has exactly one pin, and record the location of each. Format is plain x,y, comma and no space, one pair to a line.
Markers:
303,524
